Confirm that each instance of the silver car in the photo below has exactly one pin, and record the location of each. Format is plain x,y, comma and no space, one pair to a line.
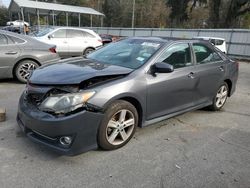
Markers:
20,55
70,42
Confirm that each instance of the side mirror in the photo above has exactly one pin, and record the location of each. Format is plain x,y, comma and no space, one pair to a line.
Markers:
50,36
161,67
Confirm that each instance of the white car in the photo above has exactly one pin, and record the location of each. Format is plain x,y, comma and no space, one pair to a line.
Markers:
70,42
220,43
17,23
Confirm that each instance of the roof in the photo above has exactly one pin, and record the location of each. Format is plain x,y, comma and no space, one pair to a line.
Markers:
31,6
207,38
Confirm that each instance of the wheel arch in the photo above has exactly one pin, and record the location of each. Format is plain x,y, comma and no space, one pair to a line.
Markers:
138,107
229,84
19,61
89,47
134,101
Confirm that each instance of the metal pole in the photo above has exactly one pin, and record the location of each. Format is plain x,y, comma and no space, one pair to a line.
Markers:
23,20
101,21
10,15
91,20
29,17
53,17
79,18
47,20
67,19
133,15
38,19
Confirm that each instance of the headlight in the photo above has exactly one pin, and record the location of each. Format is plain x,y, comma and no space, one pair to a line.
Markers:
64,103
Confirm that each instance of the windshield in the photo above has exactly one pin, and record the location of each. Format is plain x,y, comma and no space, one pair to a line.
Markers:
43,32
130,53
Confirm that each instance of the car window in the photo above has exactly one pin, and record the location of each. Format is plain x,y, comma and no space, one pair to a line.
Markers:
177,55
15,40
3,40
86,34
42,32
131,53
71,33
219,42
212,41
61,33
204,54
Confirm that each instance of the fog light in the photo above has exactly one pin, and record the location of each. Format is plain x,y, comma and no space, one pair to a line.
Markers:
65,140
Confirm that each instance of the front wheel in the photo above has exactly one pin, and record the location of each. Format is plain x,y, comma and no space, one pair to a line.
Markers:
220,97
24,69
118,125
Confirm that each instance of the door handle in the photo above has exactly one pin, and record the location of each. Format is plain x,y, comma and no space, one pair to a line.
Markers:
65,42
221,68
11,53
191,75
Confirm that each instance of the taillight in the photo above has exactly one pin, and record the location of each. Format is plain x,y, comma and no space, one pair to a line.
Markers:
53,50
237,64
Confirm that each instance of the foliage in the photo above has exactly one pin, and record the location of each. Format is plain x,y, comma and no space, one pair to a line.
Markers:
4,16
159,13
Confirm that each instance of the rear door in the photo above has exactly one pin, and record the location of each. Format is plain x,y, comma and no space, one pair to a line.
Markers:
77,42
9,51
171,92
210,70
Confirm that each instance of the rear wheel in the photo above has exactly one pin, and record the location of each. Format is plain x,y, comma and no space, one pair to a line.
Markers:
220,97
24,69
88,50
118,125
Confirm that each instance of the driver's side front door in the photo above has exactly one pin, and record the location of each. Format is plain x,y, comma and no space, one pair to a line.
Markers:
171,92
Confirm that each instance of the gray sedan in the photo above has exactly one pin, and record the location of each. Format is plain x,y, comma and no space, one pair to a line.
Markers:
78,105
20,55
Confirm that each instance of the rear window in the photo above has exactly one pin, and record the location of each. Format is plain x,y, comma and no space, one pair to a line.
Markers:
86,34
71,33
204,54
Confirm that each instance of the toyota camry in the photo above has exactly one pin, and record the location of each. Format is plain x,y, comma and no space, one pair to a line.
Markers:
99,100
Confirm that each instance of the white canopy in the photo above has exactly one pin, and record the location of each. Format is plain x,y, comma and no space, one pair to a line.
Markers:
43,7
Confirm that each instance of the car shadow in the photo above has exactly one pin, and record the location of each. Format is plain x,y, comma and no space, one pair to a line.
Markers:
10,81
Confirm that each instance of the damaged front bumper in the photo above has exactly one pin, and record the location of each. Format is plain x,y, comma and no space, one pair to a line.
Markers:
47,129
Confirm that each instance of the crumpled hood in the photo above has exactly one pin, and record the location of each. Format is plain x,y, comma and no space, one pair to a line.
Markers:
74,72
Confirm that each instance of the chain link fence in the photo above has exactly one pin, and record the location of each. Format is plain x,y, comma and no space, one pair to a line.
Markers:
238,40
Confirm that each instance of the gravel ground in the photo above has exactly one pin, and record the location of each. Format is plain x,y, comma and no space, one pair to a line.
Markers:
196,149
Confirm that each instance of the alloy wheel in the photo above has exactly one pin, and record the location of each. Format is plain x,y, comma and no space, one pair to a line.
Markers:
25,69
221,96
120,127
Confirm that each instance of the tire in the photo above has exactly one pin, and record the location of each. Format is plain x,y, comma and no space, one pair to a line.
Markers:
23,70
88,50
220,97
114,132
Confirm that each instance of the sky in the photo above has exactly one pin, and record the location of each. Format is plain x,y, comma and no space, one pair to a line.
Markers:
6,2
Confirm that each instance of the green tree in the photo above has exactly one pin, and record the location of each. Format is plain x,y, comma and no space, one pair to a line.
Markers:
112,10
4,16
227,13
